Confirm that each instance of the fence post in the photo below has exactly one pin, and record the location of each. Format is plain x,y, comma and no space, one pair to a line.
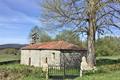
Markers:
64,72
47,72
45,69
64,66
80,71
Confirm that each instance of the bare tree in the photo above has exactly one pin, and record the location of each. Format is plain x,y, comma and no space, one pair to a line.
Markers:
86,16
34,35
38,35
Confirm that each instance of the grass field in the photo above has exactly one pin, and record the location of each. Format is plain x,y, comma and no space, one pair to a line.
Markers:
8,57
108,69
109,57
114,75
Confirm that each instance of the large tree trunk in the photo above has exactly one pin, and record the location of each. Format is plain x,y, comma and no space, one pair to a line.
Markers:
91,49
91,34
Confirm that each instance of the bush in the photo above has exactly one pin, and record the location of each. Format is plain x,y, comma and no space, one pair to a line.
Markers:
112,67
108,46
10,51
19,72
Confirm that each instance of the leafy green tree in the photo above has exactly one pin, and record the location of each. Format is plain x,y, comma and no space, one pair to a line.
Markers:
44,37
11,51
108,46
69,36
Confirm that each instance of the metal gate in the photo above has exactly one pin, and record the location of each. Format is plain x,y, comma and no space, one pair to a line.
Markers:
69,67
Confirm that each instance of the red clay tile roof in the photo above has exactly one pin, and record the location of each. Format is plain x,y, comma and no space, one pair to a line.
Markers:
54,45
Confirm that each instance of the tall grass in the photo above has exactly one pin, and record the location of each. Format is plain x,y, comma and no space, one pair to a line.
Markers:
107,69
20,72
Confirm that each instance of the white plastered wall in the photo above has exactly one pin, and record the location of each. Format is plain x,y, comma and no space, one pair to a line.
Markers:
38,57
49,55
33,54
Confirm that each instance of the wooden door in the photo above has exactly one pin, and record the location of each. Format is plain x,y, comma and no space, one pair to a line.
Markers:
29,61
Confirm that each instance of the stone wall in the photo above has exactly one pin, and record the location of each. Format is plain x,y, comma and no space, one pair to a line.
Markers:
34,55
38,57
53,57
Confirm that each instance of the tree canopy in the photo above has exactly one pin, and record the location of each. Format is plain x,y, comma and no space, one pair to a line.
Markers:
108,46
38,35
69,36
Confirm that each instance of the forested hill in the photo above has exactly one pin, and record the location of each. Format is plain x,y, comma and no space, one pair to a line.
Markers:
17,46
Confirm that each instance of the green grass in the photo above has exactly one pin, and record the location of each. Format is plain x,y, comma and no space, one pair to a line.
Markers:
114,75
108,69
109,57
17,71
8,57
21,72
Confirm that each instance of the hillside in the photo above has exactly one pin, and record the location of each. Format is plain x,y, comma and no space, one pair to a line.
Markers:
17,46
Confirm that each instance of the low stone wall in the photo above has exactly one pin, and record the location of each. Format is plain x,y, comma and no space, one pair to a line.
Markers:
10,62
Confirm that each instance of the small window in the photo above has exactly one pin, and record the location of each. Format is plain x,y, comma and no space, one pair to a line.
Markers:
53,55
46,60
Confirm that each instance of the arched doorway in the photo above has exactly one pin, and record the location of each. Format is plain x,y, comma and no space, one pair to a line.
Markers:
29,62
46,60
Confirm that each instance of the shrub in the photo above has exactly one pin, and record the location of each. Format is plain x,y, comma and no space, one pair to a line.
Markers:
19,72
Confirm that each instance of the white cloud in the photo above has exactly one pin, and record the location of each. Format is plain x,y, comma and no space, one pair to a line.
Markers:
17,17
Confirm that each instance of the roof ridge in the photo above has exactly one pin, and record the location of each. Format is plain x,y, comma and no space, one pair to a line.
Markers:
53,45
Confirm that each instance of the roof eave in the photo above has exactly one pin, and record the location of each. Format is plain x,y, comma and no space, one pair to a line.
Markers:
55,49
